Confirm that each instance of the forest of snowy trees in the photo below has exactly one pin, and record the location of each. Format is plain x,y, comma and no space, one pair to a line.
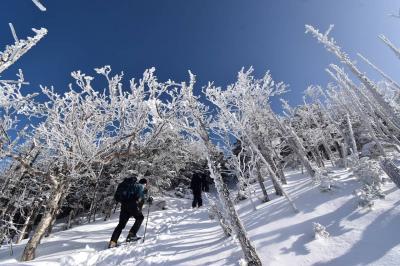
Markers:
63,154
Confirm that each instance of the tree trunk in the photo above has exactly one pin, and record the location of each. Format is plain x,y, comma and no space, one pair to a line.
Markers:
344,156
353,140
321,157
108,210
261,182
295,144
272,174
25,226
274,168
32,221
213,211
271,163
93,204
277,187
316,157
301,154
248,249
51,209
50,228
391,170
329,153
221,219
269,154
4,231
70,218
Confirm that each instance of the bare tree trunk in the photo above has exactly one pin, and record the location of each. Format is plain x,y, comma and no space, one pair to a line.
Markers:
271,163
261,182
317,158
344,152
391,170
108,210
23,229
353,140
32,221
277,187
70,217
51,209
301,154
4,231
274,168
93,204
26,223
373,135
295,144
248,249
269,153
223,223
115,207
329,153
96,207
50,228
272,174
280,172
213,211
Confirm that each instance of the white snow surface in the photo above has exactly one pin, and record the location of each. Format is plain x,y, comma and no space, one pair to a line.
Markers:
185,236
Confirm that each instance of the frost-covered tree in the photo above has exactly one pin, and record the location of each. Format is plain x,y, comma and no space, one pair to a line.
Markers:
194,120
381,106
238,104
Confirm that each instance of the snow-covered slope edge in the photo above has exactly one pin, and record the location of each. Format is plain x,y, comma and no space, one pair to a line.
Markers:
182,236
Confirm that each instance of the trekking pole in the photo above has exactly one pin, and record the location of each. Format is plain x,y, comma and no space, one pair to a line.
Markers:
145,227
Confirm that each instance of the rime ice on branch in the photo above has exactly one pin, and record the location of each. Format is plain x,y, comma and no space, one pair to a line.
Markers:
13,52
39,5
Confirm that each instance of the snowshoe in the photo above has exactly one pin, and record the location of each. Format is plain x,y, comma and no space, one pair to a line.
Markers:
130,239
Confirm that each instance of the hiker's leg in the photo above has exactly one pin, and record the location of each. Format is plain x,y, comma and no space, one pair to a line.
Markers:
123,219
200,200
195,198
194,202
138,222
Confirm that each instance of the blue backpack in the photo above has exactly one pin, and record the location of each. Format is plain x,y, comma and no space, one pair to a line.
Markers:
127,190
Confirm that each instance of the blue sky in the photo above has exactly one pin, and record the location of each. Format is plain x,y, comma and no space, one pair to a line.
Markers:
212,38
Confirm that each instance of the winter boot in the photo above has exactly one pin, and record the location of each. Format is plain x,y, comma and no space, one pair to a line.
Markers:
132,238
112,244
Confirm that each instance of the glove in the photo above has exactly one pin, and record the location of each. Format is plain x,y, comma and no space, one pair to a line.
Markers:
150,200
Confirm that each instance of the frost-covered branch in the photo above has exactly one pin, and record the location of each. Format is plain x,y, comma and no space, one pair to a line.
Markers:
395,50
13,52
383,74
39,5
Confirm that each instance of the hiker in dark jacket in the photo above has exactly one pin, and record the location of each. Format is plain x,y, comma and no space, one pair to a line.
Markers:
130,208
198,184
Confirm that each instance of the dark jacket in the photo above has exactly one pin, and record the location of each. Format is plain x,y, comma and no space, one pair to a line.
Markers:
198,182
135,188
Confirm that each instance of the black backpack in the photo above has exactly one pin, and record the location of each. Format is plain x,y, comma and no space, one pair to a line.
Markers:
127,190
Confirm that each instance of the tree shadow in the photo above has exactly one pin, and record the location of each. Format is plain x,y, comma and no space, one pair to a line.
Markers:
377,239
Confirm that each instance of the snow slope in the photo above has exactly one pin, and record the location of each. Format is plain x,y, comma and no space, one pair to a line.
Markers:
182,236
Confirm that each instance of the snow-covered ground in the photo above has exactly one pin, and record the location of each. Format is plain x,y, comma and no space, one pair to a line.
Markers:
182,236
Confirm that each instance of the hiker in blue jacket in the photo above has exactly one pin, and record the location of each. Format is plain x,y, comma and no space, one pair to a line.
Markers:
131,195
